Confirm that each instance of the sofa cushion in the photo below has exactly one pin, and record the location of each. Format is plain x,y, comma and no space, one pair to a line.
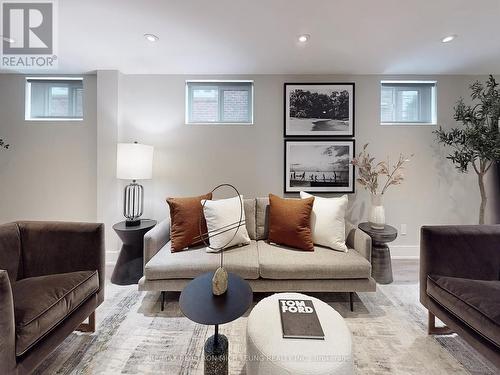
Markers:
475,302
40,303
195,261
262,218
249,205
281,262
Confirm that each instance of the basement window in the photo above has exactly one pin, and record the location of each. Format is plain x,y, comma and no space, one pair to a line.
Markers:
408,103
54,99
219,102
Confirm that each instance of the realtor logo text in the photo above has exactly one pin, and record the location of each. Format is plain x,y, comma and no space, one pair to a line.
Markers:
28,35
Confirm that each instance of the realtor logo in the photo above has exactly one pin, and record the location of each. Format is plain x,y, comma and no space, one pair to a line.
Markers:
28,35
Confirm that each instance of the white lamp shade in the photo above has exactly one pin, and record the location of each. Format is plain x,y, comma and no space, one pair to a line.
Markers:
134,161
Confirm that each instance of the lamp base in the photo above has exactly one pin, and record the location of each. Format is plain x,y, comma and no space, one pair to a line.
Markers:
133,223
133,202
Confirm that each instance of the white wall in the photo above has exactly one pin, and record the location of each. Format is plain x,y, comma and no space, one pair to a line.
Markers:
66,171
192,159
50,171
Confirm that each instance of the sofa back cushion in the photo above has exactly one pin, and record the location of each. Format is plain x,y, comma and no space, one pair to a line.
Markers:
249,205
262,218
466,251
10,250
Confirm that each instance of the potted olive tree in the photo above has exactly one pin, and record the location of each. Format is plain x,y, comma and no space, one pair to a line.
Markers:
476,142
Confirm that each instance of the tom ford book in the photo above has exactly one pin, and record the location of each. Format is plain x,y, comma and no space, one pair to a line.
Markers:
299,320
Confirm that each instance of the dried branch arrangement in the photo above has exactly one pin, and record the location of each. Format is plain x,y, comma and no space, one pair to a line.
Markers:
369,171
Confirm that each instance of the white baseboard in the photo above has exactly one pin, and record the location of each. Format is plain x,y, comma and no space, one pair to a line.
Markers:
111,257
405,251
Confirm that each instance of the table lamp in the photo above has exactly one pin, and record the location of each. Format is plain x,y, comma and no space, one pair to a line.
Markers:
134,162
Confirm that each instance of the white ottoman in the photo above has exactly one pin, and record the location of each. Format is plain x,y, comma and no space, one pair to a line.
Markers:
268,353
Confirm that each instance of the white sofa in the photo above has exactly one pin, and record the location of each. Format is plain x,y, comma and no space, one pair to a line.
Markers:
267,267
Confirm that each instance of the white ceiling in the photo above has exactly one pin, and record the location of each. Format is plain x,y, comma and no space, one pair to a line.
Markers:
260,37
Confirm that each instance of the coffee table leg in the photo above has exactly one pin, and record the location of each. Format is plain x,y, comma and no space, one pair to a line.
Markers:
216,351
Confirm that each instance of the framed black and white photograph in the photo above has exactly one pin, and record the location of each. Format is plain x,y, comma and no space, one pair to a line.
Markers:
319,166
319,109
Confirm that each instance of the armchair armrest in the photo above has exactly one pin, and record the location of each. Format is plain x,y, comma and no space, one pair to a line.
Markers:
58,247
155,239
358,240
466,251
7,326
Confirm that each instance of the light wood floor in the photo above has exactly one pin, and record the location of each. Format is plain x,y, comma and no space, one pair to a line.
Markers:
405,271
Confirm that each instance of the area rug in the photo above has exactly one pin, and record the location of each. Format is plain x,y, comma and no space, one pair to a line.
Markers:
134,337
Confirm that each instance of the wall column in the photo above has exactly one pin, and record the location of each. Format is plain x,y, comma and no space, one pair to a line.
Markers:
108,197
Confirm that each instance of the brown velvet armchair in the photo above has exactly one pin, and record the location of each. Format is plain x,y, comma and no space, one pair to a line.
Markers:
51,281
460,283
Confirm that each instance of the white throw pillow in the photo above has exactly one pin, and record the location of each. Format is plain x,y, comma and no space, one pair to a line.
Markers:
328,221
222,217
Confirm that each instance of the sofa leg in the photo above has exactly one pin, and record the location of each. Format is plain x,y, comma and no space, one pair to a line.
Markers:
88,327
433,330
351,302
163,300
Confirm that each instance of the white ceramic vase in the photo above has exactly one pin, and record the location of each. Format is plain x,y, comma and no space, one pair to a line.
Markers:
377,212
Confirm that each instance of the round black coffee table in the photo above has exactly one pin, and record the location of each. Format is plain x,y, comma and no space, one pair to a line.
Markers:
199,304
129,265
381,255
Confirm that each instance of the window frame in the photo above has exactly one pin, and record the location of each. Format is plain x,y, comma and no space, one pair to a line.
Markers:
434,109
27,101
221,86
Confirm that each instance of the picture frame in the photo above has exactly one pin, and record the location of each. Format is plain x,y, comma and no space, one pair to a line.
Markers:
319,109
319,166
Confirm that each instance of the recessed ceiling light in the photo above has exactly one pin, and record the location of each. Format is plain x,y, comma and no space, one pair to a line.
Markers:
448,39
304,38
7,39
151,37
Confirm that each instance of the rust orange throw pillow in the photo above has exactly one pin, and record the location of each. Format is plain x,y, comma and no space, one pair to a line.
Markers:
290,222
185,214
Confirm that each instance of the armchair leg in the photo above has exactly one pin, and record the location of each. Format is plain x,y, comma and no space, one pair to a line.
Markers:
88,327
163,300
351,302
433,330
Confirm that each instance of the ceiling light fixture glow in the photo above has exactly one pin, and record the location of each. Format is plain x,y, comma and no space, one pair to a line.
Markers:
448,39
304,38
151,37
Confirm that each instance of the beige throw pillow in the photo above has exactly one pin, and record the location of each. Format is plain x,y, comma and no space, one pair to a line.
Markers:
328,221
222,217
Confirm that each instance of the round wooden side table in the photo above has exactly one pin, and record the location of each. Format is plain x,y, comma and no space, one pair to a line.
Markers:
381,254
129,266
198,303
